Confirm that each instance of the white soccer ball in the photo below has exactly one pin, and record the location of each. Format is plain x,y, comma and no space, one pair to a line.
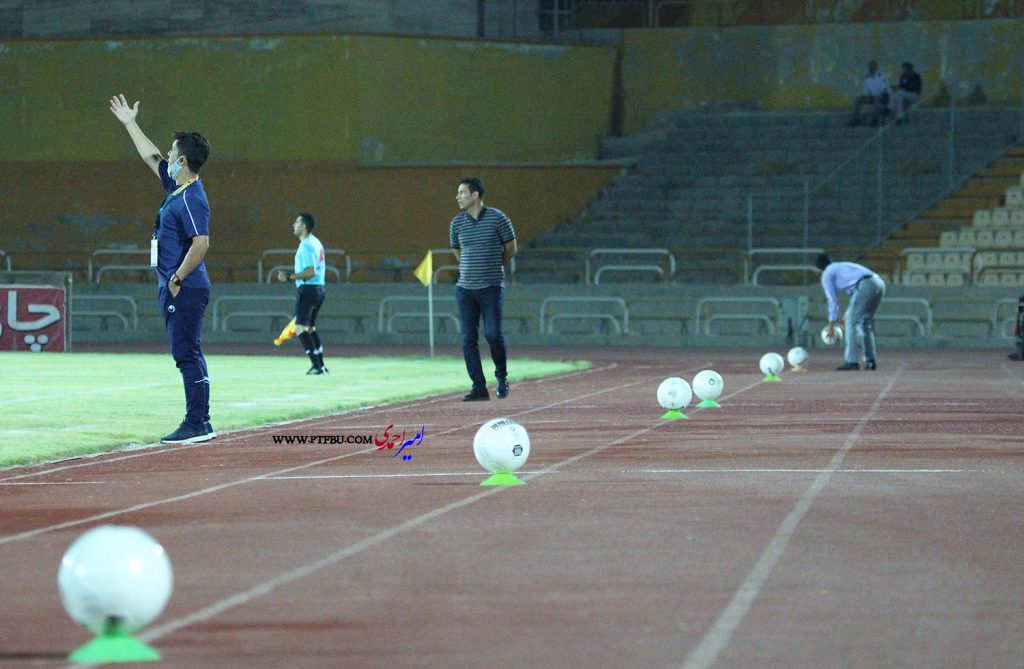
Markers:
832,340
501,446
771,364
708,385
115,578
796,356
674,393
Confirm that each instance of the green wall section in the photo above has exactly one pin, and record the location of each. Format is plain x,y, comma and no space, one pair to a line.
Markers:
429,100
813,66
252,97
358,98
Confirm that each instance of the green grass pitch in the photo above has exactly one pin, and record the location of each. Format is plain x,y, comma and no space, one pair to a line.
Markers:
63,405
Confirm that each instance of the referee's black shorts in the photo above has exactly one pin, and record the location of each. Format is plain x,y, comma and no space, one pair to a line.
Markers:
308,300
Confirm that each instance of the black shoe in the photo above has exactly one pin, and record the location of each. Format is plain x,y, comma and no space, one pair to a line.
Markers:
847,366
190,434
503,387
870,364
477,395
316,371
1015,356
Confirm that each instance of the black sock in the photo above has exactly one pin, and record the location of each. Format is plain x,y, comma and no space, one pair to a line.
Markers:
307,344
318,349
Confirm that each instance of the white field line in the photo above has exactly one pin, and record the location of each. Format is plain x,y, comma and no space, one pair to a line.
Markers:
265,588
720,634
143,450
217,488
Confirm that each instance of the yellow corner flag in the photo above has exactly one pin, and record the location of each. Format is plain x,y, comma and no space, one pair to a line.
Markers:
287,333
425,271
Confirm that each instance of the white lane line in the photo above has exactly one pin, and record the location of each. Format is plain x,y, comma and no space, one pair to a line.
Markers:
265,588
718,637
53,483
482,473
204,491
143,450
800,471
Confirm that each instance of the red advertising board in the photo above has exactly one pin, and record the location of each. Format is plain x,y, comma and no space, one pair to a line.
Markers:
32,318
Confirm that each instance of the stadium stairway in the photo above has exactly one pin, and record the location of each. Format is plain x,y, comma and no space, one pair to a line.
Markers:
694,177
984,189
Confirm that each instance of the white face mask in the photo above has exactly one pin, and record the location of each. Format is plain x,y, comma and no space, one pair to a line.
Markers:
174,169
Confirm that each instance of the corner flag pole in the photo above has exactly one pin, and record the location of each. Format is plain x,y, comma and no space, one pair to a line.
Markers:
425,273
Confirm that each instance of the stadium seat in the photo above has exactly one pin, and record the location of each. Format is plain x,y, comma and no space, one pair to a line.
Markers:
1003,239
988,259
936,279
955,280
982,218
933,259
989,279
1007,259
1008,279
966,238
1017,218
915,259
949,238
984,239
952,259
917,280
1000,218
1015,197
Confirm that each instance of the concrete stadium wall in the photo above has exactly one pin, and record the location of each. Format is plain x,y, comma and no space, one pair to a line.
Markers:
375,100
65,210
297,123
516,19
814,66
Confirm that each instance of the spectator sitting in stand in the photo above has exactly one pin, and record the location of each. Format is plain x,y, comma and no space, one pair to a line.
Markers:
876,91
907,93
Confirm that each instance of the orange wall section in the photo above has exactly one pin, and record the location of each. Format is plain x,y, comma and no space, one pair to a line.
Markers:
64,211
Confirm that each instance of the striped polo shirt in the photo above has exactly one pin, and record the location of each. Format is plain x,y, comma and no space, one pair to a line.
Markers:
480,243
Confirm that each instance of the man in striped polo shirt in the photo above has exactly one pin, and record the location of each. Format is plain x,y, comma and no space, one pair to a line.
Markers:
483,240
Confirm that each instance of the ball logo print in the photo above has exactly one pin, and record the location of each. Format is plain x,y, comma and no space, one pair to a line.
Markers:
170,308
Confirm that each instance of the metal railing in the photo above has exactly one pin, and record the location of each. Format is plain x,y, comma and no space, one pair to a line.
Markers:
621,326
893,187
661,255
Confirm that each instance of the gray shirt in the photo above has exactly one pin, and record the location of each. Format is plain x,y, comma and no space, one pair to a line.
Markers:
480,243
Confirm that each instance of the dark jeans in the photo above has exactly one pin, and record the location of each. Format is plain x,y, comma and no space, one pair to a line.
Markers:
183,320
488,303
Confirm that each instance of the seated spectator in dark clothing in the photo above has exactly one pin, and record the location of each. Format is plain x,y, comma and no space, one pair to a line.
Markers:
908,92
876,92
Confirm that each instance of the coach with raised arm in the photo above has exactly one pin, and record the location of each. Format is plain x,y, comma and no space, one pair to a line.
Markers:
181,237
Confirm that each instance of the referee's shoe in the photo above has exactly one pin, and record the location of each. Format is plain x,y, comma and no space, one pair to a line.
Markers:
190,434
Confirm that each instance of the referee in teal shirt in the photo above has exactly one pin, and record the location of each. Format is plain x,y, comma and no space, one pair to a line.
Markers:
310,271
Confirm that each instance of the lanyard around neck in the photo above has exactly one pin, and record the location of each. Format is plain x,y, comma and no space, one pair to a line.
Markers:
171,196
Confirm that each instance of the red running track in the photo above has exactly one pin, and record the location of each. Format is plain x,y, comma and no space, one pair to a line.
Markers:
868,519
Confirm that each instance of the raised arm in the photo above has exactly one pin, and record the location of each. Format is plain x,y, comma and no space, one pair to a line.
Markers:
126,115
